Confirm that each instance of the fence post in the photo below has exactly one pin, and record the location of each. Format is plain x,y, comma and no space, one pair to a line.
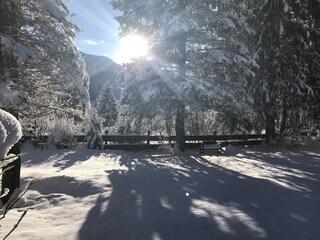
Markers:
148,140
244,134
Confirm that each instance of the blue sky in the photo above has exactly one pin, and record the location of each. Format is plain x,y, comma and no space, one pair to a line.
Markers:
100,29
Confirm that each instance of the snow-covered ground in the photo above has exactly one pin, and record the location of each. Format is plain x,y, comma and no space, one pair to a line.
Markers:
256,193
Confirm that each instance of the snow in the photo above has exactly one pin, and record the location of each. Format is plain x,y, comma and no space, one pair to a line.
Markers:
219,56
52,7
154,79
286,6
44,49
239,59
281,29
10,132
228,22
176,23
8,96
149,93
244,193
20,51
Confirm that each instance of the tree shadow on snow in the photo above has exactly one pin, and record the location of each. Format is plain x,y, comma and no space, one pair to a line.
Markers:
296,169
64,185
164,197
61,159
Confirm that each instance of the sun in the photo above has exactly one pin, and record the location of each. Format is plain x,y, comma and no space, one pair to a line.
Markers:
131,47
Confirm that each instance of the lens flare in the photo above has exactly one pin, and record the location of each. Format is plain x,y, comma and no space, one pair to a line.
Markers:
131,47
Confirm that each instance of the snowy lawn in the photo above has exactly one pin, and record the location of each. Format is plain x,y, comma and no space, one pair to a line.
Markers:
257,193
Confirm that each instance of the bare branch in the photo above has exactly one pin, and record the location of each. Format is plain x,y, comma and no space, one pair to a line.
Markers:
10,204
16,225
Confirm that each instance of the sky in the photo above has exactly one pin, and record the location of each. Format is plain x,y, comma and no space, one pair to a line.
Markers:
100,30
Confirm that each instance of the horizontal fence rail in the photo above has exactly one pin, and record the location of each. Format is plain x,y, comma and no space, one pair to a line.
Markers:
150,141
145,138
142,138
224,137
145,142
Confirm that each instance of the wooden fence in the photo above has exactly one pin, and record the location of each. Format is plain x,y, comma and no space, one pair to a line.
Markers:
144,142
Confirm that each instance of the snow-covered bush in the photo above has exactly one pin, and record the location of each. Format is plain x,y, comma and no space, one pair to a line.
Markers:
62,133
36,129
10,132
93,130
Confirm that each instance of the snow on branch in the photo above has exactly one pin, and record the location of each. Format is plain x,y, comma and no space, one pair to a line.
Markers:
19,50
53,8
43,48
176,23
8,96
219,56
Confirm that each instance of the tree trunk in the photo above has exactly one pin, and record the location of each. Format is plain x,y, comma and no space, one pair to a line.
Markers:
270,127
180,123
180,133
197,123
284,120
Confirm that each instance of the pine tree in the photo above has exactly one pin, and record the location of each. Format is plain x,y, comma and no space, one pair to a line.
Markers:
9,70
311,103
168,24
282,49
146,93
200,44
41,71
222,55
107,107
51,70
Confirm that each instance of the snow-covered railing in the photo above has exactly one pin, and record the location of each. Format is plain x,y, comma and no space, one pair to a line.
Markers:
146,141
142,138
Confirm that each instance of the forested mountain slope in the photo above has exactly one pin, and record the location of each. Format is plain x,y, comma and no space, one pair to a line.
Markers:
101,70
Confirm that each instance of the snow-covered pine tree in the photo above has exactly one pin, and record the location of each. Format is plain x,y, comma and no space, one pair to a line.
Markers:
222,56
165,24
200,46
282,49
146,93
51,69
41,71
312,21
107,107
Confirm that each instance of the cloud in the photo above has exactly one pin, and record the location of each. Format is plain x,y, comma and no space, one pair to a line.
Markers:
92,42
108,55
89,42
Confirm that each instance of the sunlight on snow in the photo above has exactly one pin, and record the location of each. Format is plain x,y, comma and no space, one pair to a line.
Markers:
104,207
226,217
298,217
139,204
155,236
166,163
164,201
263,170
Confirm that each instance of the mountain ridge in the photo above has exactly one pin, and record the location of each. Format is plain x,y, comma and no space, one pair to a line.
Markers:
101,70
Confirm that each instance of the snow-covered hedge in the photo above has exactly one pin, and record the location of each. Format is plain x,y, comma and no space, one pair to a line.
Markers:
62,133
